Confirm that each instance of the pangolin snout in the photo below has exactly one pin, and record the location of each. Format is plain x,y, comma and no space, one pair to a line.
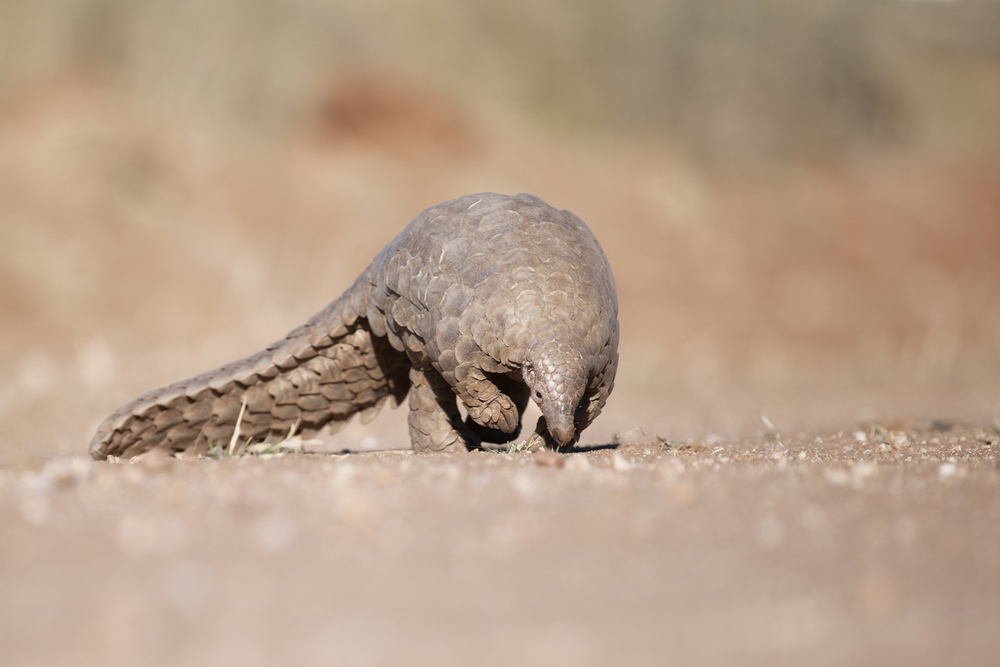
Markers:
558,380
562,431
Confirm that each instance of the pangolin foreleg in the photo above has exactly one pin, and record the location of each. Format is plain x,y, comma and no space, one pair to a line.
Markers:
435,423
495,412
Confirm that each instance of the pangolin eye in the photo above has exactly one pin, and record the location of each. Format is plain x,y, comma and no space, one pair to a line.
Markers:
537,394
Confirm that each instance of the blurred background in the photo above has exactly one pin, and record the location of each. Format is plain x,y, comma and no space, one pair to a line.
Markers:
800,200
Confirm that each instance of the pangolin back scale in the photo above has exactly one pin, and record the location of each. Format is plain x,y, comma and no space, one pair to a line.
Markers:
493,299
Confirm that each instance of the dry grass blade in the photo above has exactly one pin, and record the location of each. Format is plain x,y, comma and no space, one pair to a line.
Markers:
236,431
772,432
619,438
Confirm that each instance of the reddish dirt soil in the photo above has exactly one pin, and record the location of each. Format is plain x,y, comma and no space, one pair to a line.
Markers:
856,305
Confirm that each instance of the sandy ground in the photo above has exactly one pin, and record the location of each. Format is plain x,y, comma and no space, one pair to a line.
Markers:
856,305
830,550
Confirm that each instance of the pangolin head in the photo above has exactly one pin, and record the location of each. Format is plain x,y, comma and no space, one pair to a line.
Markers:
557,376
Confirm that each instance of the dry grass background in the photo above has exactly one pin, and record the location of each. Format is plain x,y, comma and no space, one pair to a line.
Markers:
801,204
799,201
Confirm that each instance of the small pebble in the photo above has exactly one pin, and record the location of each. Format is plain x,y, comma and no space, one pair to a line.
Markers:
619,463
546,458
65,473
577,462
946,470
156,461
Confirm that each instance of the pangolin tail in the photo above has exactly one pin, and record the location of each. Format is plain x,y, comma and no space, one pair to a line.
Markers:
320,374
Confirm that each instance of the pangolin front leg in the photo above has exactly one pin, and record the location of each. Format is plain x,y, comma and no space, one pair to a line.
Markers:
435,423
495,404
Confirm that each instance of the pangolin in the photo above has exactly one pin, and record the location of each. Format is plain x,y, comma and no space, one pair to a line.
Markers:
489,298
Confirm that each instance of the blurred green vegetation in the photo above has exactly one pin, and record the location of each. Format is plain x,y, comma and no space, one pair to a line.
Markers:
723,78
